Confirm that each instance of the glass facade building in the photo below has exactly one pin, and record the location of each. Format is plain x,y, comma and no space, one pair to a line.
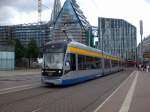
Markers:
26,32
71,20
145,50
117,37
5,33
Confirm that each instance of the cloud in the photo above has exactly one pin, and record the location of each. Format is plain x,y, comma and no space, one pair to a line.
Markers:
14,9
20,5
148,1
6,13
25,5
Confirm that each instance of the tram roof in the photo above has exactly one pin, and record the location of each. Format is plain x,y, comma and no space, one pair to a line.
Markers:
80,45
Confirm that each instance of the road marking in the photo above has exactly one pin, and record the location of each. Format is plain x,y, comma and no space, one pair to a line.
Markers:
127,102
100,106
36,110
19,88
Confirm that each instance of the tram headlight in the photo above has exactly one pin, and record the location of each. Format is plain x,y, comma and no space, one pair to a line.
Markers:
59,71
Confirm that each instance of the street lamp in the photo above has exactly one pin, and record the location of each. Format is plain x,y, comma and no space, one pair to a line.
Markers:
141,32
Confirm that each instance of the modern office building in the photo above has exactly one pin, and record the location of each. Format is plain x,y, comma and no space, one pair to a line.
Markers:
117,37
69,18
145,50
5,33
26,32
71,23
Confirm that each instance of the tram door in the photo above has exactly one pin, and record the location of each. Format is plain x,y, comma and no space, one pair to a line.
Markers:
70,62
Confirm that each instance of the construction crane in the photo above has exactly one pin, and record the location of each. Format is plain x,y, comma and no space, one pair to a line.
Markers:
39,10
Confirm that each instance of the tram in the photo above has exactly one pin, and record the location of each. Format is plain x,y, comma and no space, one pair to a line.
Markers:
70,62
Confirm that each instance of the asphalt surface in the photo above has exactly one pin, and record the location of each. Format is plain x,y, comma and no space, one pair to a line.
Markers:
133,95
9,79
83,97
13,81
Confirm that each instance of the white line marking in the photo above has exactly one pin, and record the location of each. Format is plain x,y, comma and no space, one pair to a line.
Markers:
100,106
127,102
36,110
18,88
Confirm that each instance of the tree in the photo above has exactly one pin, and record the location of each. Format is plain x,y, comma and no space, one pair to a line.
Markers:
19,50
32,50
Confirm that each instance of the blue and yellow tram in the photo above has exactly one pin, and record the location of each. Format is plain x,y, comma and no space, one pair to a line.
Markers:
69,62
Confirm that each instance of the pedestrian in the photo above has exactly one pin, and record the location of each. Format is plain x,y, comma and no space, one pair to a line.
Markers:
147,68
140,67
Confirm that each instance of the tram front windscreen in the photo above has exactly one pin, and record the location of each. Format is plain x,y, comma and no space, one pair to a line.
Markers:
54,56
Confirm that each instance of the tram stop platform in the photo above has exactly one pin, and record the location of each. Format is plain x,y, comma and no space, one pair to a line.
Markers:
133,95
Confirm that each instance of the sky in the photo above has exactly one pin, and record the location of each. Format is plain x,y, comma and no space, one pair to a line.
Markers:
25,11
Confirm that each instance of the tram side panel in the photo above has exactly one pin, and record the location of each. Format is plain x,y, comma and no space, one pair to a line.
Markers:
84,68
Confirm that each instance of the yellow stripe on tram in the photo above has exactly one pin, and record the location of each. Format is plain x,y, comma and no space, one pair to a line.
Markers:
90,53
84,52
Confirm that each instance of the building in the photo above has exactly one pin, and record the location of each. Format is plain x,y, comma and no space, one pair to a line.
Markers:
71,23
117,37
7,57
145,50
25,32
55,11
69,18
5,33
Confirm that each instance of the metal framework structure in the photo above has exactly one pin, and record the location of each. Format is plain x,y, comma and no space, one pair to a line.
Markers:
73,20
56,10
39,10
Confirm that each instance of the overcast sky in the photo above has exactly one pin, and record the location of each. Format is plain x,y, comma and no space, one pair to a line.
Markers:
25,11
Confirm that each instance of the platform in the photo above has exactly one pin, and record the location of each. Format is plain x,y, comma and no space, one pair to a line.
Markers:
133,95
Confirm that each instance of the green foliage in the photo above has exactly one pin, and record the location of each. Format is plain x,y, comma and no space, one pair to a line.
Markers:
32,49
20,50
11,42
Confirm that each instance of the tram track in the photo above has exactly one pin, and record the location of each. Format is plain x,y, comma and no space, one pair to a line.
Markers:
105,93
48,98
24,95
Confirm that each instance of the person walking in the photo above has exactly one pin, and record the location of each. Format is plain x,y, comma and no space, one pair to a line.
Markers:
147,68
140,67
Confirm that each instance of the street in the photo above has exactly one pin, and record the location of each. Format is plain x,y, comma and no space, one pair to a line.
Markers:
83,97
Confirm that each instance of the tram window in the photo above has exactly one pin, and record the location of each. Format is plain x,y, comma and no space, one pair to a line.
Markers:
73,61
93,62
55,47
114,63
88,62
98,63
81,62
107,63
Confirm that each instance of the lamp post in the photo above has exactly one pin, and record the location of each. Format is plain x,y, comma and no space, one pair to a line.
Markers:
101,34
89,39
141,32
